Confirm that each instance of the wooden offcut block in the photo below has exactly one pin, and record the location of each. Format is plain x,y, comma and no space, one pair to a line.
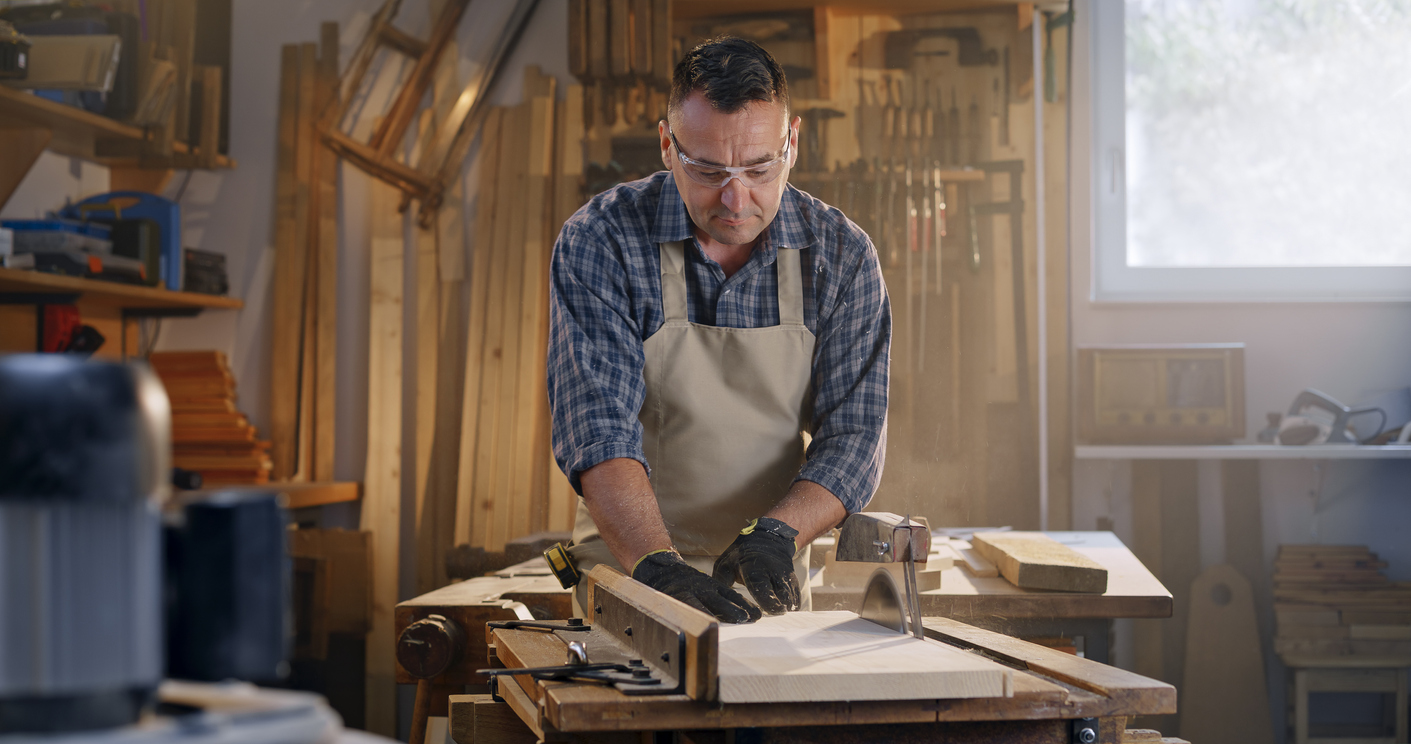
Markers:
1033,560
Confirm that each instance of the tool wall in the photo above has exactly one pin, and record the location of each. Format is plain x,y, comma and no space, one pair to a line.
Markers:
920,127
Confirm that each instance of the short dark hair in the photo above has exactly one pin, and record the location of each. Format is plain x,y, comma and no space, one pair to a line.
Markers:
731,73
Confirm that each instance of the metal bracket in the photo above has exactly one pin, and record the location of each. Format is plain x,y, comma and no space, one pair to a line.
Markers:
574,624
1083,731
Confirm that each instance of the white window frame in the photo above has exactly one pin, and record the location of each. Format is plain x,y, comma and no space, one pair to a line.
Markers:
1099,139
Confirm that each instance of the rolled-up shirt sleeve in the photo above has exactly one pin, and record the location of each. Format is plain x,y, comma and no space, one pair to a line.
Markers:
850,371
595,352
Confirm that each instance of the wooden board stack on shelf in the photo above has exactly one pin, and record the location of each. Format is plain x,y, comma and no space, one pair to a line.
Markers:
209,435
1336,607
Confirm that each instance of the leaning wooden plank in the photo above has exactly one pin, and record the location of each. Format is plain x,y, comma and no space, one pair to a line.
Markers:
1033,560
288,275
823,656
208,149
475,323
510,339
532,309
381,508
326,262
428,310
305,235
492,359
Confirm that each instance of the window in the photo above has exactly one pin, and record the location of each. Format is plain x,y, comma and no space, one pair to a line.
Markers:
1248,150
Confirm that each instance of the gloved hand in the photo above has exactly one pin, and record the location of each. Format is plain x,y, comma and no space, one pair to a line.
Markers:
762,558
667,573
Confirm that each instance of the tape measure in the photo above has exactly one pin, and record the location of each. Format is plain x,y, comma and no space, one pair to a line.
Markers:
561,563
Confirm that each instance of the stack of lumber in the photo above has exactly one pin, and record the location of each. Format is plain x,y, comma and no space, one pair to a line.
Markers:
530,164
1033,560
1334,604
209,435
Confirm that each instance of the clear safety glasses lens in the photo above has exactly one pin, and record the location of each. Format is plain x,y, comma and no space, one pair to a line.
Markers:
716,176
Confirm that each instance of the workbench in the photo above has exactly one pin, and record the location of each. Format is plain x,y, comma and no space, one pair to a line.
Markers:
995,604
1054,695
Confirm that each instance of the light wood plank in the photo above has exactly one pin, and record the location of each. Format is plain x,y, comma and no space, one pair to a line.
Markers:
381,512
428,322
466,514
501,393
305,237
326,269
1223,696
532,308
288,276
820,656
1033,560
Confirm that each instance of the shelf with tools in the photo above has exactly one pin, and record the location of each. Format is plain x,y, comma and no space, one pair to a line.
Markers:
693,9
112,309
16,284
1242,452
80,134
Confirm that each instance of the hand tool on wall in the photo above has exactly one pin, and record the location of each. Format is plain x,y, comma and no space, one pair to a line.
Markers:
953,129
924,242
883,537
911,240
974,133
878,216
938,225
899,47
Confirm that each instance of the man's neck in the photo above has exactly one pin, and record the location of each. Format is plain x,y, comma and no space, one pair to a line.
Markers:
730,257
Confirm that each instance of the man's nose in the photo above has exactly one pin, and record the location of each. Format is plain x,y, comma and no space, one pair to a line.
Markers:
734,196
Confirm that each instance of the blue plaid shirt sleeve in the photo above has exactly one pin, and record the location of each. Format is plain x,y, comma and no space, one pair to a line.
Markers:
850,371
595,352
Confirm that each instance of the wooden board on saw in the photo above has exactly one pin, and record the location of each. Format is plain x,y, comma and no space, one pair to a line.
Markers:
1223,696
1033,560
853,575
824,656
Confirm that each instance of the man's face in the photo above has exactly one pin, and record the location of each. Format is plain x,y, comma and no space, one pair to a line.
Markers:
734,214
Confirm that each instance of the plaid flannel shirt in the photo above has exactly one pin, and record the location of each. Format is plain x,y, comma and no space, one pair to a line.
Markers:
605,301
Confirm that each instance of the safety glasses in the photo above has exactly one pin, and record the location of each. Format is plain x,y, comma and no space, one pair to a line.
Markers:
716,176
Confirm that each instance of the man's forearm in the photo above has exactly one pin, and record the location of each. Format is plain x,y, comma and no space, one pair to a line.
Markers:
623,506
809,508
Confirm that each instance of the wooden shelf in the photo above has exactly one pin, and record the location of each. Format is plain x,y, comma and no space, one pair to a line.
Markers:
112,294
701,9
1242,452
296,495
79,133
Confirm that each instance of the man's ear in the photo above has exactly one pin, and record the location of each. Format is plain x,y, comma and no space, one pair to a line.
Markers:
665,143
794,140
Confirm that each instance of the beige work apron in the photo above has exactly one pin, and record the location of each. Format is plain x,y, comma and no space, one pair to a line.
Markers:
722,422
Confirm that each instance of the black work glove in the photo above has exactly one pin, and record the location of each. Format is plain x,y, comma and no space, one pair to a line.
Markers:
762,558
667,573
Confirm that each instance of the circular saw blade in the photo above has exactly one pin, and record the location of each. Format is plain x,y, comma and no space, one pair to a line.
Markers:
882,602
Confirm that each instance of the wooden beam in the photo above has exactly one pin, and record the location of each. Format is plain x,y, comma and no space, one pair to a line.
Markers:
326,269
382,483
288,276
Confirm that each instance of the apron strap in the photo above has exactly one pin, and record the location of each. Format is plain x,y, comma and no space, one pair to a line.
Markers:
673,281
786,267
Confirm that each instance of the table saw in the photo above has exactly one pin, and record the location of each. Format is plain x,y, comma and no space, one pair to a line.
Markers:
788,679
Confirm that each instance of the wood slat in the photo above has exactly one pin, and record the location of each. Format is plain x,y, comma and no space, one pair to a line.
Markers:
325,264
381,510
466,512
288,274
